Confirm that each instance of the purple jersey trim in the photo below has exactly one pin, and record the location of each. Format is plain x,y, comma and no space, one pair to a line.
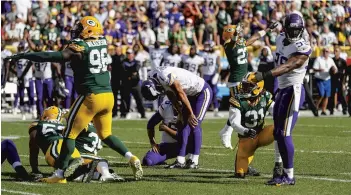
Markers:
302,53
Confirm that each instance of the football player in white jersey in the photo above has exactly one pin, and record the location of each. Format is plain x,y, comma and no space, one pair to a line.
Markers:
171,57
168,148
292,56
211,70
193,62
24,72
156,54
69,84
195,96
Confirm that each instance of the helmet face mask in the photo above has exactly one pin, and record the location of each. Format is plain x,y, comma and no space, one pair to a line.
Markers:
76,30
149,90
250,91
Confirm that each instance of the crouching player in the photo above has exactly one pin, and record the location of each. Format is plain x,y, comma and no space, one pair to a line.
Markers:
168,148
46,134
247,113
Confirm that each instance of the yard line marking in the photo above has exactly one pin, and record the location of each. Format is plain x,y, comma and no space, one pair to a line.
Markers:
346,131
27,156
216,154
29,184
18,192
299,176
13,137
345,173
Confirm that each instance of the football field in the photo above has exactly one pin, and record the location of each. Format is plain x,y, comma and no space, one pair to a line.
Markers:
322,163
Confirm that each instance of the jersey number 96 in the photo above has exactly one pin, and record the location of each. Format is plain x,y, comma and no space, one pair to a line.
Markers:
99,60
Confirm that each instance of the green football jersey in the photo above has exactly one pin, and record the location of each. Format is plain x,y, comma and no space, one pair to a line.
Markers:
237,58
90,73
51,34
47,133
88,141
253,116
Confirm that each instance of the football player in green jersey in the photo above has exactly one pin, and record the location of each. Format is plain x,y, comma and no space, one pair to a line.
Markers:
246,115
235,48
88,55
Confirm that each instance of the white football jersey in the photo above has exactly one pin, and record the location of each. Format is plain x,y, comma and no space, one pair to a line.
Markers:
68,69
156,57
283,53
192,63
171,60
167,113
328,39
4,53
165,76
42,70
21,66
210,65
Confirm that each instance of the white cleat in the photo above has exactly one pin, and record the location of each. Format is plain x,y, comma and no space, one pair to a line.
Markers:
111,178
226,137
128,116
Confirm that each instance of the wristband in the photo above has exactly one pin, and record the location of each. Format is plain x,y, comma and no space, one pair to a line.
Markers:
262,33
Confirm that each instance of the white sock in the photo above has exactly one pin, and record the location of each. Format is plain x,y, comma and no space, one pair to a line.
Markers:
277,156
196,159
16,164
102,167
215,110
289,172
181,159
59,172
128,155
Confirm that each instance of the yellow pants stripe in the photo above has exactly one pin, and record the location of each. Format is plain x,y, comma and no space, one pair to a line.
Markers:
73,113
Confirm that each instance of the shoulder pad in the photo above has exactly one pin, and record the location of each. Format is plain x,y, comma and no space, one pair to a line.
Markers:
234,102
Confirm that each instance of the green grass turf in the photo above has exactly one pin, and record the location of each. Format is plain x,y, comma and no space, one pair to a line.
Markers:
322,163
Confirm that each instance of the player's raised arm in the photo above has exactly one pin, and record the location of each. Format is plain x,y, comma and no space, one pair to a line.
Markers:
261,34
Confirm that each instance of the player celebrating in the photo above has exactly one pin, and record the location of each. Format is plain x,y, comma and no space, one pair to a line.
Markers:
211,70
291,60
171,57
88,55
192,62
246,115
236,51
195,96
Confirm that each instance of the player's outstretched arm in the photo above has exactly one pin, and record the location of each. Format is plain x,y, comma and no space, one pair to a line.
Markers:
261,34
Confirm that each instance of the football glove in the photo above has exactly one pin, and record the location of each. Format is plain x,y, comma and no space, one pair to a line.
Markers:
273,25
250,133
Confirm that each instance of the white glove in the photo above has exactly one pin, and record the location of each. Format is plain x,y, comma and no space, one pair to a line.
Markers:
215,79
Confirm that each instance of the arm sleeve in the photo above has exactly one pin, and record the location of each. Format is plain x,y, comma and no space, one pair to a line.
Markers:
154,120
235,120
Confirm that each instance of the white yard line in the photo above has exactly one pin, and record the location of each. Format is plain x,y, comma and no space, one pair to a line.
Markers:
18,192
298,176
29,183
13,137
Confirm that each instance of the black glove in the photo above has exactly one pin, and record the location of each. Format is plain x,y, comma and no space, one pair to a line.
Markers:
273,25
250,133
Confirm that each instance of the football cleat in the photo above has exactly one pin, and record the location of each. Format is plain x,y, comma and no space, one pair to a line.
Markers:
239,175
191,165
176,165
226,138
135,164
55,178
252,172
282,180
278,170
113,177
92,167
73,166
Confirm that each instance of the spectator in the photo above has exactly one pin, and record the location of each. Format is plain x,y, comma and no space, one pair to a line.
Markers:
34,30
327,37
307,10
208,28
51,33
162,33
314,37
262,7
102,14
11,16
322,66
116,76
223,18
190,35
338,84
43,15
162,13
146,34
143,58
111,34
266,64
23,7
130,85
258,23
129,35
191,10
120,24
177,35
175,17
111,12
337,11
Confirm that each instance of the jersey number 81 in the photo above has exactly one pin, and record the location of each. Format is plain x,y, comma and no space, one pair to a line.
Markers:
99,60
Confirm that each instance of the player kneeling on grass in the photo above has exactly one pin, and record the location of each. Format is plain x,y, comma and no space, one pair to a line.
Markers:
46,134
168,148
247,113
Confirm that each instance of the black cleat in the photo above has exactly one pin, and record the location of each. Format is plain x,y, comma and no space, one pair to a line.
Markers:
252,172
191,165
278,170
324,114
239,175
72,167
176,165
92,167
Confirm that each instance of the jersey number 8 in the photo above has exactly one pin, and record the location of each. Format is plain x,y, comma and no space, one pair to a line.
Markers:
99,60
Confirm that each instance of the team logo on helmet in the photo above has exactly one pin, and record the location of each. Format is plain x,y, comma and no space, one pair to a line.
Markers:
91,23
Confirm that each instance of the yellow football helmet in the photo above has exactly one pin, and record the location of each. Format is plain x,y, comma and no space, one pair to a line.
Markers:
249,89
51,113
228,32
87,27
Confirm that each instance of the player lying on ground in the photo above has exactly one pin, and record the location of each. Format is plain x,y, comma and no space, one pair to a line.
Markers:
195,96
46,134
292,56
87,52
246,115
235,48
9,153
168,148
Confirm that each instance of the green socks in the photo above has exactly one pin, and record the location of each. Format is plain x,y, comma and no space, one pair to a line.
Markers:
115,144
67,150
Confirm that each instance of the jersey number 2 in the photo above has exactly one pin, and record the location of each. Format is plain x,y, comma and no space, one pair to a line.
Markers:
99,60
242,56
